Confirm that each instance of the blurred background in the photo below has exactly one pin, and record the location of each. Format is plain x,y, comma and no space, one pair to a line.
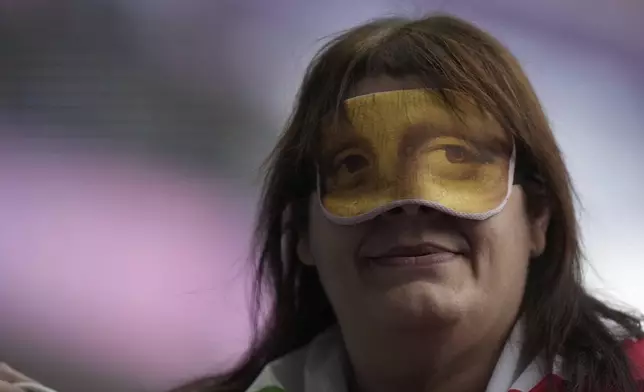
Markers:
131,133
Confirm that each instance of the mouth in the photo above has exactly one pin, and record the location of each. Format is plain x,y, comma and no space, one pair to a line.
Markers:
417,255
415,251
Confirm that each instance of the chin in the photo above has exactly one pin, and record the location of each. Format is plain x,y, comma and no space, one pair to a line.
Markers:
422,304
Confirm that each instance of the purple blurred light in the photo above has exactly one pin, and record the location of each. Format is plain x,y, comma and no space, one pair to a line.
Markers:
119,263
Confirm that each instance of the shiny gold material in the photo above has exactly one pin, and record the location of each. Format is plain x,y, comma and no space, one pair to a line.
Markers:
411,145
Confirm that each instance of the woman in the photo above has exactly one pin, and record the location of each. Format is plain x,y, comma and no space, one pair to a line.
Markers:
417,231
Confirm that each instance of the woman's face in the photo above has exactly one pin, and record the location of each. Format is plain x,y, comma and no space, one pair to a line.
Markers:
480,279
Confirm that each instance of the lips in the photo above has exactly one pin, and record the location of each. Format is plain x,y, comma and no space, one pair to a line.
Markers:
413,251
419,255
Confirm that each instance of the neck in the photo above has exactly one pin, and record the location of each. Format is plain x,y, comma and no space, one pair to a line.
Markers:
445,361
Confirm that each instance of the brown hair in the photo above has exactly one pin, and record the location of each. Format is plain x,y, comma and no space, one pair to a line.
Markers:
446,53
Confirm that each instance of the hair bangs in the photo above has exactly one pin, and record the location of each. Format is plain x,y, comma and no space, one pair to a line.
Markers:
434,58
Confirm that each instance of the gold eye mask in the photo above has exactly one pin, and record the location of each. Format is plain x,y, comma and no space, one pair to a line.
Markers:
408,147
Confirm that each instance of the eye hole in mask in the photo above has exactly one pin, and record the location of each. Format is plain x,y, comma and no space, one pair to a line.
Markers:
407,147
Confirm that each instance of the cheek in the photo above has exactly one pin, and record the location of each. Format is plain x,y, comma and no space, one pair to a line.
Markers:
332,249
502,245
332,246
506,244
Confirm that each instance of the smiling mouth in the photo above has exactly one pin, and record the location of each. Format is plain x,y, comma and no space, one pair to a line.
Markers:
419,255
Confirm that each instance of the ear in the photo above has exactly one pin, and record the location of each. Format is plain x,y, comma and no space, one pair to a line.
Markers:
538,229
303,249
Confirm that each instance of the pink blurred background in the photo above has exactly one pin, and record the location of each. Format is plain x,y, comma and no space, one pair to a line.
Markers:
119,264
131,133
